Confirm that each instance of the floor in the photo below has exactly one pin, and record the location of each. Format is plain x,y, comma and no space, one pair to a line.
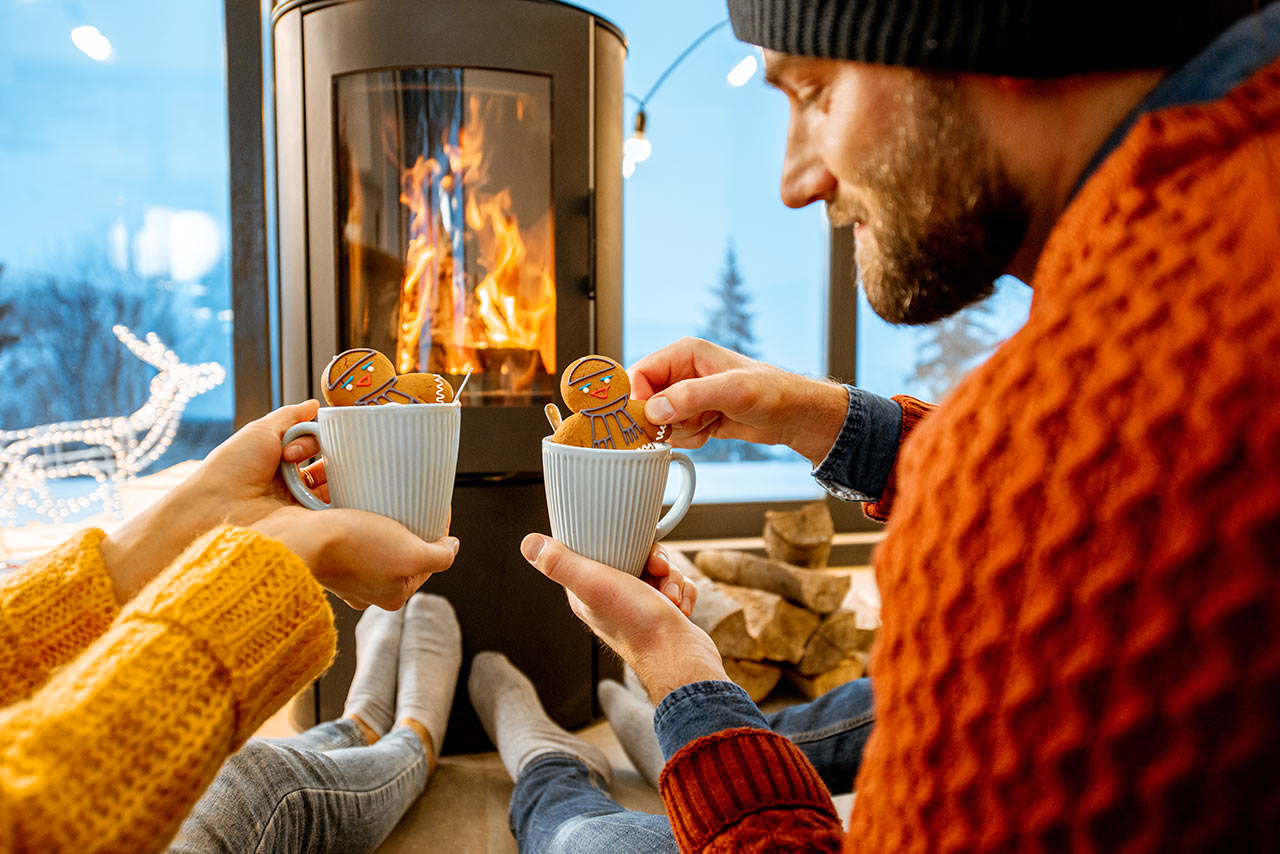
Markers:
464,808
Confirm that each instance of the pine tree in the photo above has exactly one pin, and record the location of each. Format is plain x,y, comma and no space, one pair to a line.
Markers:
953,346
730,323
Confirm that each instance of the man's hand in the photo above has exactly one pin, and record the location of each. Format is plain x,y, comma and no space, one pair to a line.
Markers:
643,626
705,391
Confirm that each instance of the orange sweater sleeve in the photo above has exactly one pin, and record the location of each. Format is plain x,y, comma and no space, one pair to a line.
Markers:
111,752
748,789
50,610
913,412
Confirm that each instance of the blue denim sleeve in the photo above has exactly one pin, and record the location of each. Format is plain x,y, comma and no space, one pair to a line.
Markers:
858,464
702,708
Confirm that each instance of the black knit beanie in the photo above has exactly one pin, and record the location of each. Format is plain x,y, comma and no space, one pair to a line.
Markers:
1019,38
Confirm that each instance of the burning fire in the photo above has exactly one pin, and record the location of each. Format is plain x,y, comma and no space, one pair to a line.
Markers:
470,324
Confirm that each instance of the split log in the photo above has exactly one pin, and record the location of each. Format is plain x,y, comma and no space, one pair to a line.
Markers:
814,687
719,615
818,590
757,678
801,537
781,628
840,634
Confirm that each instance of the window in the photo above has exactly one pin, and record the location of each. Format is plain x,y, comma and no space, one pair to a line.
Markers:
114,171
710,250
926,361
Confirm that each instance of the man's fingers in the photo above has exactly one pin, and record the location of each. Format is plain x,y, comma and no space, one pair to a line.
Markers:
731,393
586,578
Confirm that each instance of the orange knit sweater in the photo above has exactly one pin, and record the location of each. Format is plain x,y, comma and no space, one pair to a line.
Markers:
1081,577
113,721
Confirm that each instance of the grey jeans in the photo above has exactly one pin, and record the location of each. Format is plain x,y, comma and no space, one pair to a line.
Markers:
321,791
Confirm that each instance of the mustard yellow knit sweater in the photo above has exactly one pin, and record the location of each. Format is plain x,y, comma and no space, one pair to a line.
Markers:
114,720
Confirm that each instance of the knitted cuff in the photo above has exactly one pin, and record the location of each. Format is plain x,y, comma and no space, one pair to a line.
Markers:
912,412
715,782
256,607
53,608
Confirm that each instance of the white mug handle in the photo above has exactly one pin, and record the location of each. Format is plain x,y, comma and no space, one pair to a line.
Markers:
683,500
292,478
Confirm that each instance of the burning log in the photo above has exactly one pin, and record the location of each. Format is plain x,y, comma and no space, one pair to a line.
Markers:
816,590
800,537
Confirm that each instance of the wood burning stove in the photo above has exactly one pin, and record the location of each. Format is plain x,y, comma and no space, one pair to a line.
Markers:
449,192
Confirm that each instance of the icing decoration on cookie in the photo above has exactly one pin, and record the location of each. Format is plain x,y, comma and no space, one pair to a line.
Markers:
364,377
598,391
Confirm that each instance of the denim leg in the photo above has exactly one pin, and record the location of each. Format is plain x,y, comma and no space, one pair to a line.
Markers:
330,735
277,797
560,807
831,731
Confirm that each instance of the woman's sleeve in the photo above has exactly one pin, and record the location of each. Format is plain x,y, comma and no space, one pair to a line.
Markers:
114,749
50,610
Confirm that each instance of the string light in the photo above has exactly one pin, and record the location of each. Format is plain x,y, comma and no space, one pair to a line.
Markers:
118,449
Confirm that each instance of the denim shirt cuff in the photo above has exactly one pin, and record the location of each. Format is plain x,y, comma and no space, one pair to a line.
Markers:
702,708
858,464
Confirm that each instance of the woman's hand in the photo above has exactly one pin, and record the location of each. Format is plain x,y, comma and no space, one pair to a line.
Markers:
363,558
643,626
707,391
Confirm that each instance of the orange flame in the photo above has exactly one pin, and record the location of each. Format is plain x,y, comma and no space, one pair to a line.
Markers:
512,307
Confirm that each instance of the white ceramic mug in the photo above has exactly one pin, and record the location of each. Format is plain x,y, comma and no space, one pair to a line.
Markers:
398,461
605,504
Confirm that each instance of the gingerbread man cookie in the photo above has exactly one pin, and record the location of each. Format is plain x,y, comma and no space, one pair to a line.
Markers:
365,377
598,391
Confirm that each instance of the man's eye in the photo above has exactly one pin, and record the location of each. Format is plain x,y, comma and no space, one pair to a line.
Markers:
347,386
606,379
586,388
369,367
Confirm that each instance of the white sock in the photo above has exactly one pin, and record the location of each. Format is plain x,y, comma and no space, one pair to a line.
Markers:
372,694
508,706
632,722
430,655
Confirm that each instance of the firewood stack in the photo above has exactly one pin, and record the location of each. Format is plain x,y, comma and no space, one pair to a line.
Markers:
785,616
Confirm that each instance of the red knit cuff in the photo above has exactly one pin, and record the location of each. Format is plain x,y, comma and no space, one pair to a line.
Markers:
715,782
912,412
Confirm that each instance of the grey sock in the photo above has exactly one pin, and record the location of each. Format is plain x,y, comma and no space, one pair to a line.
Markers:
632,722
430,655
508,706
372,694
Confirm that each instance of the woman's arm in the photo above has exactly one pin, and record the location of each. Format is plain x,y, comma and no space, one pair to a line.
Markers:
113,750
50,610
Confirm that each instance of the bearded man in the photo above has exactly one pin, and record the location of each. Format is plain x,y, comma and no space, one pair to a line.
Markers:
1080,647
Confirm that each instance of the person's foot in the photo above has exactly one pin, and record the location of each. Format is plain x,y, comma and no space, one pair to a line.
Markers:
372,696
430,656
632,721
509,709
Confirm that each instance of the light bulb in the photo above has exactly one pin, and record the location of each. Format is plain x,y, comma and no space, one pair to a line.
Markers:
637,148
743,71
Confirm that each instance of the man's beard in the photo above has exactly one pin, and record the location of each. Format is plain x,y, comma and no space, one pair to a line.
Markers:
946,219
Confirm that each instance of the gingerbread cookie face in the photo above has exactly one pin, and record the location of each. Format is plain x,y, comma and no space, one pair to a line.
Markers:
365,377
598,391
592,382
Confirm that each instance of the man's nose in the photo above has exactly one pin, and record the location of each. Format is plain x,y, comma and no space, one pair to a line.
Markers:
805,178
